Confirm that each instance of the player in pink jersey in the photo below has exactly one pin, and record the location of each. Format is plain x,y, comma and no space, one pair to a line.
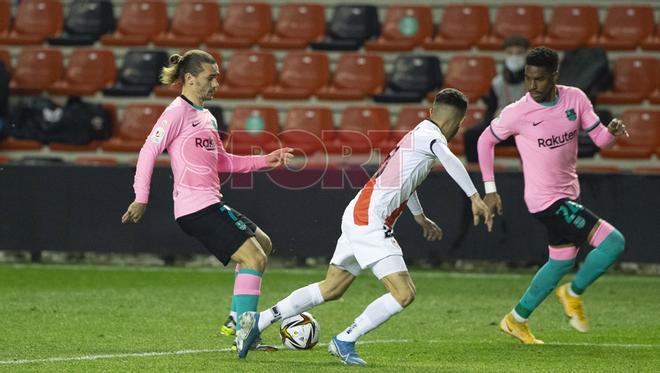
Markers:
367,240
189,132
545,124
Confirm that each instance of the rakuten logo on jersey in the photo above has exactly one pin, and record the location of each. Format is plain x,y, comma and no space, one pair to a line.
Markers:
206,143
557,141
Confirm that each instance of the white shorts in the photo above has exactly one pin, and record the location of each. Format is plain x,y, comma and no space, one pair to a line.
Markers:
361,247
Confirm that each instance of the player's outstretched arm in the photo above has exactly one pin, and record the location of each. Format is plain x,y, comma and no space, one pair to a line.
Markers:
279,157
479,209
134,213
604,137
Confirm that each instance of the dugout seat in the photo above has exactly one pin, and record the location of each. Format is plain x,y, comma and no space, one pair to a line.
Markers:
244,24
35,21
111,110
412,78
193,21
36,70
139,23
644,141
356,77
135,125
248,74
405,27
350,27
362,129
298,24
302,74
523,20
253,130
652,42
625,27
471,75
635,78
570,27
89,71
86,22
139,73
174,90
304,129
461,27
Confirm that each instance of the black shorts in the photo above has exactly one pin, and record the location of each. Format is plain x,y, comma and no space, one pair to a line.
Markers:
567,222
220,228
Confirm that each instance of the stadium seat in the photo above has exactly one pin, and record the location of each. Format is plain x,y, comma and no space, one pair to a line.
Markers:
412,78
644,140
635,78
5,57
349,28
139,23
89,71
86,21
253,130
304,128
356,77
625,27
523,20
471,75
652,42
35,21
175,89
244,24
5,17
405,27
570,27
461,27
301,75
91,146
407,119
362,129
248,74
134,127
36,70
139,73
193,21
11,143
297,25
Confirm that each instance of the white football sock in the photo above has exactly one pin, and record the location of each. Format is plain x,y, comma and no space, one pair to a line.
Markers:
517,317
299,301
375,314
233,315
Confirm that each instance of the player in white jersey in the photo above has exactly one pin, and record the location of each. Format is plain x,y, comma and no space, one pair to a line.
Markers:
366,241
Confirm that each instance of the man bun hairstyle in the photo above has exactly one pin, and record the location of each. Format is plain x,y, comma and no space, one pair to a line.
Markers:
452,97
543,57
191,62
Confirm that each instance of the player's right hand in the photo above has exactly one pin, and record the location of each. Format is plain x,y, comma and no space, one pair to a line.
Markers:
479,208
494,203
134,213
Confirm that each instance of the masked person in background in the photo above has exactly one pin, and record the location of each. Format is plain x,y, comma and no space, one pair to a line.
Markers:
507,87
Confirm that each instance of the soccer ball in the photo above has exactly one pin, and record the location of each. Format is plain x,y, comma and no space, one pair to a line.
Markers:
300,332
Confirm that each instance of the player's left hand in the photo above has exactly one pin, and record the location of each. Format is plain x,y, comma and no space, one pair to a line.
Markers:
431,231
279,157
617,128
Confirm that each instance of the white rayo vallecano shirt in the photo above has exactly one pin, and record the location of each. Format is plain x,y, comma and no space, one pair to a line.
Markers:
383,198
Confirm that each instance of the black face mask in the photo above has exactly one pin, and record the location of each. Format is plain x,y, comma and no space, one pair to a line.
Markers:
513,78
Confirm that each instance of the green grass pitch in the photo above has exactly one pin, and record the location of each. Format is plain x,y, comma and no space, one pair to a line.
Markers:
87,318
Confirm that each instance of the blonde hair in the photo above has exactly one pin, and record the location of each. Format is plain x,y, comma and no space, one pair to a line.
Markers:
191,62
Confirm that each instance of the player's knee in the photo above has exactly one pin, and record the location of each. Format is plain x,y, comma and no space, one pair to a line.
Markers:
256,261
331,293
405,296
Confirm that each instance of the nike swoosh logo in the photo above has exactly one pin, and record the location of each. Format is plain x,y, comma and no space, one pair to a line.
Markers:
536,123
195,124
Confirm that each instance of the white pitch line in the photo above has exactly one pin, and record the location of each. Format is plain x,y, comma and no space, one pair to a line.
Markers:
203,351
